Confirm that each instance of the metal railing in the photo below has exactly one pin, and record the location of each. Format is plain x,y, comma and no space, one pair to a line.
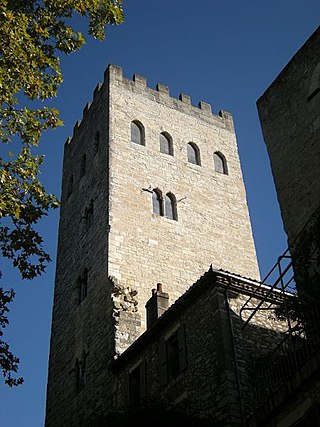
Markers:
271,371
281,289
278,294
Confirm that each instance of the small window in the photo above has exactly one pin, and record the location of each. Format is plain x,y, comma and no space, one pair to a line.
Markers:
134,386
83,165
96,141
220,164
89,215
81,372
137,133
84,370
171,207
314,88
193,153
137,384
78,375
157,202
172,356
83,285
70,186
166,145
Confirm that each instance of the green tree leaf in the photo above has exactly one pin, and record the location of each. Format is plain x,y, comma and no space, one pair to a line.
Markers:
33,33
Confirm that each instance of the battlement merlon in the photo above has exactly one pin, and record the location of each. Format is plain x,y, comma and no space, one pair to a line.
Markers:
161,94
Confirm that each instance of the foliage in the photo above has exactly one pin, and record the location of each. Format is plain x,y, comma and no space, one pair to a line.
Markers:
8,362
32,34
24,201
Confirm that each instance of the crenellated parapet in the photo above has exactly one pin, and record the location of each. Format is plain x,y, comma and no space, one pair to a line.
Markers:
85,113
161,94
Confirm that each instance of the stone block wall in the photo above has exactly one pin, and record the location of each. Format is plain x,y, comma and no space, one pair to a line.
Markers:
110,238
213,225
290,121
202,388
289,113
214,384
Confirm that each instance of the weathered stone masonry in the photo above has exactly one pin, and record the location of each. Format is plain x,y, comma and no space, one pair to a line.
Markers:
145,249
125,248
289,112
212,382
290,121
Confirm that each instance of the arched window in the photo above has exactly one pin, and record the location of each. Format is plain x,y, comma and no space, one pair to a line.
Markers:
166,145
70,186
220,163
193,153
96,141
137,133
171,207
83,165
157,202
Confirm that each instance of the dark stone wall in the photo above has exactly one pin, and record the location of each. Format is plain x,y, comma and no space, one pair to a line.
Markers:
214,384
290,120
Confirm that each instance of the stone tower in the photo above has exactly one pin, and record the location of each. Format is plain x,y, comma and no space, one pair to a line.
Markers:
152,192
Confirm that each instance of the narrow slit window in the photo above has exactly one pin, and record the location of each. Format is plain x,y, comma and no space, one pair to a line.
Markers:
70,186
78,375
89,215
83,165
81,372
96,141
193,153
84,370
83,285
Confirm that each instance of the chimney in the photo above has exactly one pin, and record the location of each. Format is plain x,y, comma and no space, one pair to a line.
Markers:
156,305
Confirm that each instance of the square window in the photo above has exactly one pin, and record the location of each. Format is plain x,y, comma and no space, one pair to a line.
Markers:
172,355
136,384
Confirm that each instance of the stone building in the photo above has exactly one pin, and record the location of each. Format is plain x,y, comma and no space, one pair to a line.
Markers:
152,192
290,121
197,358
289,112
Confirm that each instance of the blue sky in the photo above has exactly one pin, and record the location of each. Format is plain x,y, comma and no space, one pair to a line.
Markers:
223,52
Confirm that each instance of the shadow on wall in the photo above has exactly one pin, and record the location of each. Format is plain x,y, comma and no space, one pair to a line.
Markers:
153,414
